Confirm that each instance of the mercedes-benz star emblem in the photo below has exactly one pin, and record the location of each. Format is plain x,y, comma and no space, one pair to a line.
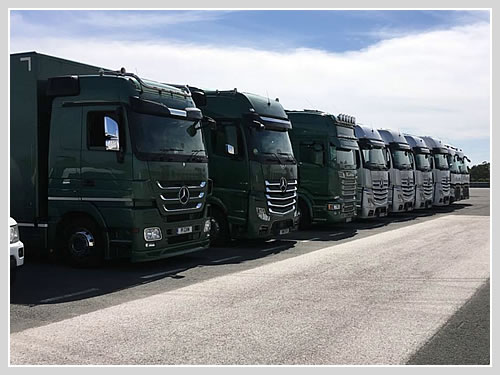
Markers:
283,184
184,195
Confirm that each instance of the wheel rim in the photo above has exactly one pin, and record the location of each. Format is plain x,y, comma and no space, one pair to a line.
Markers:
214,229
81,243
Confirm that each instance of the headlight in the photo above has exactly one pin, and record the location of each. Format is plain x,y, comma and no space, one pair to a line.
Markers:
14,234
152,234
206,228
261,213
333,206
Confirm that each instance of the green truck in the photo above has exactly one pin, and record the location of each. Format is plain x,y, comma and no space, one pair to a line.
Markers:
104,164
325,146
251,164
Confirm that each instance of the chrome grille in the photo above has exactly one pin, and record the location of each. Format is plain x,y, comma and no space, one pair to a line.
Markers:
279,201
169,200
445,184
380,191
427,187
408,188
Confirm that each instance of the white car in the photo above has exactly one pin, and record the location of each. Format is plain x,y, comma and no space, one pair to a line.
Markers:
16,248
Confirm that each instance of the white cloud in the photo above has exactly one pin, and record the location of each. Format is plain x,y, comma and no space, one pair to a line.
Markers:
430,83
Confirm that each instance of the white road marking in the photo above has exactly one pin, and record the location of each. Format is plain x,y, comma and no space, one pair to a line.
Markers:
273,248
162,273
309,240
52,299
224,259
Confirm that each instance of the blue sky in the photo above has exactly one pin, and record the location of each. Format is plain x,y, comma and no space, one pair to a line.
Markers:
419,71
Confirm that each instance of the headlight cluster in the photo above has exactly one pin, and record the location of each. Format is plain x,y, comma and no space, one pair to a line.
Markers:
333,206
262,214
152,234
207,226
14,234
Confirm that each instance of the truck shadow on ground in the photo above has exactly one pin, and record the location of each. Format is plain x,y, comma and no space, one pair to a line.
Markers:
42,281
51,282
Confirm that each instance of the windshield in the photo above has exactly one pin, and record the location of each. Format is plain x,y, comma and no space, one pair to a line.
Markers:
165,138
453,163
423,162
440,161
265,142
342,157
401,159
373,158
463,165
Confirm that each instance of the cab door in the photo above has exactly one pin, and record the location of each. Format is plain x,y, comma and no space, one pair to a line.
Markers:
106,160
228,168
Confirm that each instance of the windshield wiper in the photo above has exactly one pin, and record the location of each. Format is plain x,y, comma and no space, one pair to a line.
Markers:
291,157
170,149
273,154
194,153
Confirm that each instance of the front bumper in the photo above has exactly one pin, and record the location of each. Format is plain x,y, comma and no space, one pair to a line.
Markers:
422,201
370,208
399,204
256,227
130,242
440,197
16,254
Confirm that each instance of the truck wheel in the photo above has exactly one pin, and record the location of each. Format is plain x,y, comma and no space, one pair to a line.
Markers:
305,217
83,243
219,232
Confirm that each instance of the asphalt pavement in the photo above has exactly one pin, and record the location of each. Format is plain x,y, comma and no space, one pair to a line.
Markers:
369,292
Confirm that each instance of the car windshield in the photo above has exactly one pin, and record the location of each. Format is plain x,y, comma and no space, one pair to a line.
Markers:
270,144
373,158
165,138
342,157
440,161
423,162
453,163
401,159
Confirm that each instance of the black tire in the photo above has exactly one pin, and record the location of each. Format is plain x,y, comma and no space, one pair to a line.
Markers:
219,230
13,269
83,243
305,218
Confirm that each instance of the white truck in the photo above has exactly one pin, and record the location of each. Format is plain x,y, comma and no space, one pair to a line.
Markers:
464,170
16,249
440,170
401,176
424,183
373,176
455,173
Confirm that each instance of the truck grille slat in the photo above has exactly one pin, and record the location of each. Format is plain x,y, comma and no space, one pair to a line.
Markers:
281,202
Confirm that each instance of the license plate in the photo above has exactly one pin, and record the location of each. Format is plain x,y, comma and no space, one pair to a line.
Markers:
284,231
184,230
347,220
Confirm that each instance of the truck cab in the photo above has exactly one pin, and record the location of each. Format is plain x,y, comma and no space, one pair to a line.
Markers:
440,170
424,183
464,170
325,146
372,174
454,162
105,164
399,161
252,166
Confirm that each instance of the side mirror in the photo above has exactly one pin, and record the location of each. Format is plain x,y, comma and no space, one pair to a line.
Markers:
111,134
191,130
229,149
